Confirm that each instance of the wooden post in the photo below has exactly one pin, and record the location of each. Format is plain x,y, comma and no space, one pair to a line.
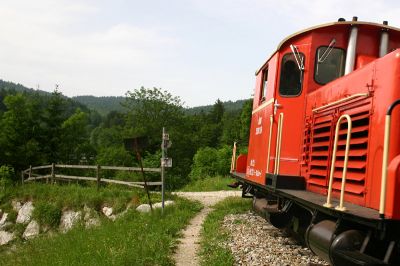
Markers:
139,158
47,179
98,177
30,172
52,173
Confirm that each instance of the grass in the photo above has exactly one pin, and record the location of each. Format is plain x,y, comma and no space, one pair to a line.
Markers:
50,200
212,252
73,196
134,239
210,184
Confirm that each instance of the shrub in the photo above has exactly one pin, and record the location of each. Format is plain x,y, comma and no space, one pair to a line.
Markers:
6,177
210,162
224,157
47,214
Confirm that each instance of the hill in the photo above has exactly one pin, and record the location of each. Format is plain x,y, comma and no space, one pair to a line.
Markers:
11,86
103,104
229,106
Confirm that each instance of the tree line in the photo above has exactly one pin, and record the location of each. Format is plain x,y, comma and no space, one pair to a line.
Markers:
39,129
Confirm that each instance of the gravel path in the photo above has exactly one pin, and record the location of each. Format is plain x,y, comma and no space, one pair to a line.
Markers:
186,253
255,242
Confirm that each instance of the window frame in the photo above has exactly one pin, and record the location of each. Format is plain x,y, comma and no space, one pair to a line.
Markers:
301,73
316,62
263,90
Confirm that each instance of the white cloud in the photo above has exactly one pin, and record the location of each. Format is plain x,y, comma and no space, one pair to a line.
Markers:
46,43
200,50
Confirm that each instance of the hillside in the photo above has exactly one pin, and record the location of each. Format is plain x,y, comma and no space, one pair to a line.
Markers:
11,86
228,106
102,104
106,104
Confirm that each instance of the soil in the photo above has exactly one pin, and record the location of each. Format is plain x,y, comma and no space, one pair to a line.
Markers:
186,253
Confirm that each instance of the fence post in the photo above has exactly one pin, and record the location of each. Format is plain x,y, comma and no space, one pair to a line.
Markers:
30,172
52,173
98,177
47,179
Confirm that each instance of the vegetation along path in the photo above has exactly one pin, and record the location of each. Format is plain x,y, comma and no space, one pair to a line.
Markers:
188,247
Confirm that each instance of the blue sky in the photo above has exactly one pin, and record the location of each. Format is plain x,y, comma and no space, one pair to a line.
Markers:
198,50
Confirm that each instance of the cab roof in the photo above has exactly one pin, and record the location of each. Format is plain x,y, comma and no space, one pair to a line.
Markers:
327,25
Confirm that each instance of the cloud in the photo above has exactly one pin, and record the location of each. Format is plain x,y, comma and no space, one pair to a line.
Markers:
200,50
48,42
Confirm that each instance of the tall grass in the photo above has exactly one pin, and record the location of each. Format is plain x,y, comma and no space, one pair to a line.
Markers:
212,236
134,239
210,184
72,196
50,200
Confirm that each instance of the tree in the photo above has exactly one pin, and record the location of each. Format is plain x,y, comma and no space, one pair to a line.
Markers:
114,118
75,138
217,112
211,128
231,128
245,121
19,126
53,118
102,137
148,111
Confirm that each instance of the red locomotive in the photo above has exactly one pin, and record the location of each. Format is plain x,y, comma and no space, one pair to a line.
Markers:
324,151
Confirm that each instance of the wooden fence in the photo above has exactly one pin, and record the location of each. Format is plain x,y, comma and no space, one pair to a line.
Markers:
29,175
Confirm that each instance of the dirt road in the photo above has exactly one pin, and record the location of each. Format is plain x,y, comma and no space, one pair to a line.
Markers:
186,253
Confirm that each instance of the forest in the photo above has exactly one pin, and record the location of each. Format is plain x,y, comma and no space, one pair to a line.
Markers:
39,128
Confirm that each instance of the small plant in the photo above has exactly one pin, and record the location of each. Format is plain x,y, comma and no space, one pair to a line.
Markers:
47,214
6,176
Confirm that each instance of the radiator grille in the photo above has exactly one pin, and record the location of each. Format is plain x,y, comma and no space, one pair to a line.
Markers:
321,147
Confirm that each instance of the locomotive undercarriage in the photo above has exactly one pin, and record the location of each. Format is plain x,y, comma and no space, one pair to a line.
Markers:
340,238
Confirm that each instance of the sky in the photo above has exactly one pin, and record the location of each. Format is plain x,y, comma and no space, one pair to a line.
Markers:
199,50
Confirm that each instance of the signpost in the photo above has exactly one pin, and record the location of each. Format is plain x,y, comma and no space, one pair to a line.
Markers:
165,162
137,144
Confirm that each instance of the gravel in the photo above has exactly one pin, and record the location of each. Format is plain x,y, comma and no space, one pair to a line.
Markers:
253,241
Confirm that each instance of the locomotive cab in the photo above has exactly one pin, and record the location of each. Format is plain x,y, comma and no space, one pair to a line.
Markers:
316,155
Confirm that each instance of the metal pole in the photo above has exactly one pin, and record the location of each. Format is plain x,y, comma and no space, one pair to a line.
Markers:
162,169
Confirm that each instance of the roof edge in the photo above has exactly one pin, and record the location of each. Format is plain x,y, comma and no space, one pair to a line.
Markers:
383,26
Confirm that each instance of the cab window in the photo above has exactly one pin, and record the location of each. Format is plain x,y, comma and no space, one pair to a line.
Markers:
329,64
264,85
291,76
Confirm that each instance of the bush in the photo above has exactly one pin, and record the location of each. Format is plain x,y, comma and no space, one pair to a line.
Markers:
224,158
117,156
152,160
6,177
210,162
47,214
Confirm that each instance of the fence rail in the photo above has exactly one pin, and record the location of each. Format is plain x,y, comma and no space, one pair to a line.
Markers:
53,176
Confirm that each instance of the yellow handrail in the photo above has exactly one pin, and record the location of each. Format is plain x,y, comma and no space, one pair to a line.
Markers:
351,97
233,160
328,203
271,121
382,202
385,159
278,144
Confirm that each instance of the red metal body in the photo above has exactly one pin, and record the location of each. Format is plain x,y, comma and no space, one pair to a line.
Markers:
309,118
